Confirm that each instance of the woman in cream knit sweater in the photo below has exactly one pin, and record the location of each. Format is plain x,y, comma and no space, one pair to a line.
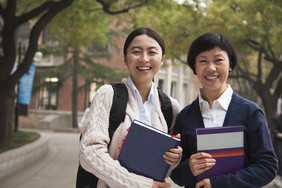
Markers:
143,55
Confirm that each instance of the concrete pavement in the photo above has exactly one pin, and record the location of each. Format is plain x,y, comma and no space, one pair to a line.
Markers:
57,169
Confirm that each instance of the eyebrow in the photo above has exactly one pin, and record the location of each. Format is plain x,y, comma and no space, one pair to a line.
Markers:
213,56
149,48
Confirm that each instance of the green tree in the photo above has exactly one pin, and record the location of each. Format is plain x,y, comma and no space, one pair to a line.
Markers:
13,14
77,28
254,26
178,24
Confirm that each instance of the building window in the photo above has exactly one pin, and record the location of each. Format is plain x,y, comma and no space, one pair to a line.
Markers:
173,89
97,50
49,94
185,94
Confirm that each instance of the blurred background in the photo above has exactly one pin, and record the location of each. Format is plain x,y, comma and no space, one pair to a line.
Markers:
54,55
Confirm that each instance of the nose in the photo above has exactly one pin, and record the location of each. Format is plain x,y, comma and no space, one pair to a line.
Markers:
211,67
144,58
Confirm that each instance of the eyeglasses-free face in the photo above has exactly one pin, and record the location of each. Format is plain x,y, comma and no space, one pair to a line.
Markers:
212,68
144,59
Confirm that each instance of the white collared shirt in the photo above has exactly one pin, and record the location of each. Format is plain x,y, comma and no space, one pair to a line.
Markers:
145,110
215,117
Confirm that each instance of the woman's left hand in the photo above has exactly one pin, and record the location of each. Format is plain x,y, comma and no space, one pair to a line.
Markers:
174,155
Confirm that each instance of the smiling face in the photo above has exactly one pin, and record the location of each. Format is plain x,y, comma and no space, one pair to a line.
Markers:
143,59
212,68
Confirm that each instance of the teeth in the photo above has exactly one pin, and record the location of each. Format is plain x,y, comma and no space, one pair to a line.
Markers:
144,68
211,77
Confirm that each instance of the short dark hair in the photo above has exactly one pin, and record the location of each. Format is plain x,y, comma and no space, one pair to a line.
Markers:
207,42
144,31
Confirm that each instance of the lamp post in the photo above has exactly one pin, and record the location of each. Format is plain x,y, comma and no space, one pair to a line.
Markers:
18,89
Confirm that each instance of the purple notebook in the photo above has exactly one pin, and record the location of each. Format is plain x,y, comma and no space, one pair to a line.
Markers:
226,145
143,150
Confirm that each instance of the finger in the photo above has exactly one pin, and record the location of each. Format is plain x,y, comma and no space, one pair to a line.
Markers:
200,184
161,184
196,161
178,136
200,168
171,159
177,150
173,154
170,163
202,155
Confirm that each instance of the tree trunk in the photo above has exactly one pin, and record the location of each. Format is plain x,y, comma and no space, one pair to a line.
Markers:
43,14
268,100
6,118
269,104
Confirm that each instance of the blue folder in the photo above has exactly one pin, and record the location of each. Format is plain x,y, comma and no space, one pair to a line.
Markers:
143,150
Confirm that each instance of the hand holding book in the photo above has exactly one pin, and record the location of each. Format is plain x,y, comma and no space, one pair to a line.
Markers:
201,162
174,155
144,149
223,144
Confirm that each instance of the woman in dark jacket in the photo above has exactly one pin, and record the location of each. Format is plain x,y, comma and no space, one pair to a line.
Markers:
212,57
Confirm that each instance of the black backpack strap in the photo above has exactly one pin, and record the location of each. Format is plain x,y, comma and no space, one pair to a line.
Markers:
117,113
166,108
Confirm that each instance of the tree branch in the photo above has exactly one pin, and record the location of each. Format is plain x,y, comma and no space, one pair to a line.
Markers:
256,46
35,33
274,74
269,47
259,67
253,44
242,74
35,12
9,11
106,7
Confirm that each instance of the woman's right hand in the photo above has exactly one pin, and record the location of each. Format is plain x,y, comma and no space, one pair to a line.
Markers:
201,162
158,184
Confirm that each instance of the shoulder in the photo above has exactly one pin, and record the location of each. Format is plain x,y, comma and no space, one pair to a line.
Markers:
189,112
104,93
243,104
161,94
191,107
104,89
174,103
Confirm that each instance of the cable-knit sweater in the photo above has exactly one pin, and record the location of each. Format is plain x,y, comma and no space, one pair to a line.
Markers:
99,158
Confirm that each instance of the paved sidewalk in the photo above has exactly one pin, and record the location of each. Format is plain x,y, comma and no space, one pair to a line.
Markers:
57,169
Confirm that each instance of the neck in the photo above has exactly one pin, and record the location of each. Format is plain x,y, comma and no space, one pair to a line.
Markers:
144,90
212,95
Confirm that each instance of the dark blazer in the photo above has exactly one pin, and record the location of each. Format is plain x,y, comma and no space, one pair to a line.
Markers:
260,161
